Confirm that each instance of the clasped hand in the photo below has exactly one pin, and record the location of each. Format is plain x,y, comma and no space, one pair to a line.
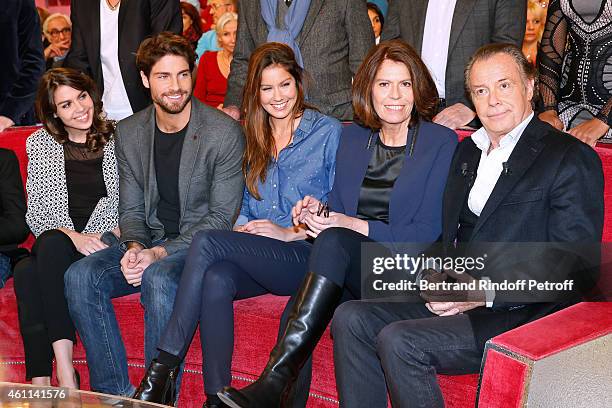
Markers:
449,302
305,213
136,260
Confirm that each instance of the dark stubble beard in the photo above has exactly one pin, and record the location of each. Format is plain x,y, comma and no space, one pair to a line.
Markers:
170,107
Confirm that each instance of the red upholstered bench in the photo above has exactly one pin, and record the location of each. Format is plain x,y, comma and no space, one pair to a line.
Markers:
506,368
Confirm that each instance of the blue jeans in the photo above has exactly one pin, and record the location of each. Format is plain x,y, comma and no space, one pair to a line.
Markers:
90,284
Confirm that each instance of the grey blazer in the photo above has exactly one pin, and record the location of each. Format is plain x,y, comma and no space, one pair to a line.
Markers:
475,23
334,40
210,176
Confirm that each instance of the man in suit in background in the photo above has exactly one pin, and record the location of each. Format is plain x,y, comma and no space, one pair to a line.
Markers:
179,165
22,64
330,38
447,33
517,179
105,37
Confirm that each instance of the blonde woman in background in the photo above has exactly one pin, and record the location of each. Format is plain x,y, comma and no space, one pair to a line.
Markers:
214,67
536,17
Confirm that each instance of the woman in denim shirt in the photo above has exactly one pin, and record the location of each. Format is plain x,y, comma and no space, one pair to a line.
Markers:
290,153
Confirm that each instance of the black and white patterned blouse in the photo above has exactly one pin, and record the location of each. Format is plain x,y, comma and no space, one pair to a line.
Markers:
48,193
575,61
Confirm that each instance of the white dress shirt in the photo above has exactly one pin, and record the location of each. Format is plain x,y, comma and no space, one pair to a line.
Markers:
491,164
115,99
436,36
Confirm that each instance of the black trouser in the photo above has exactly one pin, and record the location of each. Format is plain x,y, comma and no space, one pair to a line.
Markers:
43,312
398,347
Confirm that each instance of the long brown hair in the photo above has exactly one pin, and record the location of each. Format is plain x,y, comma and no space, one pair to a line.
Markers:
259,140
101,130
423,86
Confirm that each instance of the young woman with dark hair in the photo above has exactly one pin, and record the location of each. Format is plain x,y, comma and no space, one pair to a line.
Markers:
290,152
390,176
73,195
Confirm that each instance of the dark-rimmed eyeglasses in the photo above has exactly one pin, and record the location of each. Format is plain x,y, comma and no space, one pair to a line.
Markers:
56,33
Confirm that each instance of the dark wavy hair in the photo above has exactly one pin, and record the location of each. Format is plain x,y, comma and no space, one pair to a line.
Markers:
192,12
154,48
101,130
423,86
258,131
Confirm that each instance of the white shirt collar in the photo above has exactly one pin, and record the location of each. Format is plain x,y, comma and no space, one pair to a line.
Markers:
482,140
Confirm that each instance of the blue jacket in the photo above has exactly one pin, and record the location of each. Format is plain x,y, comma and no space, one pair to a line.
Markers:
415,208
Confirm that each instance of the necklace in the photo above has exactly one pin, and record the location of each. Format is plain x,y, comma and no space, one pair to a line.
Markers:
115,7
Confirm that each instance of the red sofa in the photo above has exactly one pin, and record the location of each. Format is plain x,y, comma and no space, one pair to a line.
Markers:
506,373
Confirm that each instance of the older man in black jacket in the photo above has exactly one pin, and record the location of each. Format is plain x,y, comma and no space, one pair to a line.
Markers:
22,62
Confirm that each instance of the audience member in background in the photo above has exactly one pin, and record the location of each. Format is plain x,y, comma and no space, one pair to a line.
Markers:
179,171
192,31
397,348
446,33
209,41
290,151
377,19
536,17
22,63
58,31
214,67
575,63
98,27
73,195
13,227
330,40
390,174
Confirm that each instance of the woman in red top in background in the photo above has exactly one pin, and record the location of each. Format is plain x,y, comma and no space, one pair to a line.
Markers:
214,67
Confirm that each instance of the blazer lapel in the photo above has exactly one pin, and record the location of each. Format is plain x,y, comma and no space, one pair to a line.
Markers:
458,186
522,158
463,10
189,153
418,15
94,28
146,136
360,162
123,12
313,12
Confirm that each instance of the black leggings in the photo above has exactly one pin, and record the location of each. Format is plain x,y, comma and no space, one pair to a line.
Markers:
42,308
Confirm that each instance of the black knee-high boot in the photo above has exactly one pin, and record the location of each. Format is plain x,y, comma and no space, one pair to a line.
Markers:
313,309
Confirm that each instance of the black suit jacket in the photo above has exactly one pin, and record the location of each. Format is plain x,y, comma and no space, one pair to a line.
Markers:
138,19
13,227
552,193
22,60
475,23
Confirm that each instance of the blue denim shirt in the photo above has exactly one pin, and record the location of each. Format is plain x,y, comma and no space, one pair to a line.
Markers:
307,166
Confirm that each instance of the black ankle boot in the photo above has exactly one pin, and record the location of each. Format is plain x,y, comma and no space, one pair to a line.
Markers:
158,384
313,309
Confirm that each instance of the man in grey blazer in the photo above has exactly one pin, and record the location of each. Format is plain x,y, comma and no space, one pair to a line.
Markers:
333,38
447,33
179,165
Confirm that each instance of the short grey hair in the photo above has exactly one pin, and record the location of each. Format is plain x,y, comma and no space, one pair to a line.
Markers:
527,71
54,16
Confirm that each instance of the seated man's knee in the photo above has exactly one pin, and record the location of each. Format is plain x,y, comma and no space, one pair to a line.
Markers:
398,339
158,284
350,319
